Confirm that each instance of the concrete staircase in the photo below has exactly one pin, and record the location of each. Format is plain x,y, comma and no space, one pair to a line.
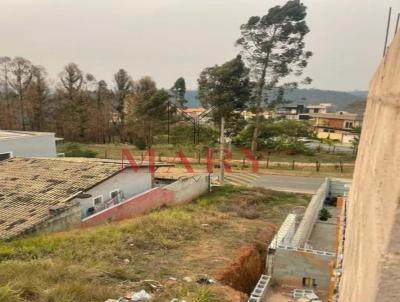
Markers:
246,179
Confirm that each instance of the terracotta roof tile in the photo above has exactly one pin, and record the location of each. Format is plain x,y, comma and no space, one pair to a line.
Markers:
30,187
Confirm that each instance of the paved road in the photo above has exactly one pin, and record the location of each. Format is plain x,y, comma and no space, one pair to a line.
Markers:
289,183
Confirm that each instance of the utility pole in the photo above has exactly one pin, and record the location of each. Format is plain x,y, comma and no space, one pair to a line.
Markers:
221,151
168,104
387,31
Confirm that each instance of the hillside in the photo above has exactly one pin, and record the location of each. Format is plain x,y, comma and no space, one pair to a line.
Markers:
164,252
340,99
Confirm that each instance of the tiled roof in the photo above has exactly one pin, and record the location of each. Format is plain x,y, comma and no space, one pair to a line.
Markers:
30,187
194,110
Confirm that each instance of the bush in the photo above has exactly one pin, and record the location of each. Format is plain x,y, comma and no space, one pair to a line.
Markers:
324,215
183,134
75,150
278,136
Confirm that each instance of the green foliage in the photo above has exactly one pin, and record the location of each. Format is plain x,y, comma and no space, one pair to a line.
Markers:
226,88
273,45
324,215
179,91
182,134
76,150
8,295
278,136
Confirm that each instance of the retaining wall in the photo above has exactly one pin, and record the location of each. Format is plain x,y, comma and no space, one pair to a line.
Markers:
372,247
310,216
189,188
285,233
339,187
291,265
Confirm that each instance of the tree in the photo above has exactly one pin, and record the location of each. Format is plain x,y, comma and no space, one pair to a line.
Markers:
356,141
38,93
73,79
151,106
102,98
274,47
123,87
178,92
331,143
5,91
226,89
21,71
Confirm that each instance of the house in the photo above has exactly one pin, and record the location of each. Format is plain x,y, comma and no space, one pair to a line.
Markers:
302,112
197,114
247,115
321,108
340,126
54,194
27,143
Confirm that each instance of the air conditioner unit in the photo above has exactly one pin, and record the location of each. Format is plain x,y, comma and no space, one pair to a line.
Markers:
5,156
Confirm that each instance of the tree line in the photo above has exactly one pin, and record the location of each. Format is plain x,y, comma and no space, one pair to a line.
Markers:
81,108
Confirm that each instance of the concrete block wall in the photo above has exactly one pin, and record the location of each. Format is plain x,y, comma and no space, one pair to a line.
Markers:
189,188
310,216
339,187
291,265
68,219
259,293
285,232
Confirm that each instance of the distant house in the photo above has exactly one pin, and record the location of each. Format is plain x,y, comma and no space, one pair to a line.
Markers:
301,112
340,126
198,114
54,194
27,143
249,115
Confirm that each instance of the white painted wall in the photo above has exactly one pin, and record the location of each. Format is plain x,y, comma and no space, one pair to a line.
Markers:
128,181
189,188
43,145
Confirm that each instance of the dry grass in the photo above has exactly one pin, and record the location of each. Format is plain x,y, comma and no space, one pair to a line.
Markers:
108,261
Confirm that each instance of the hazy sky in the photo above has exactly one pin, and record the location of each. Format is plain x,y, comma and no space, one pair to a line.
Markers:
170,38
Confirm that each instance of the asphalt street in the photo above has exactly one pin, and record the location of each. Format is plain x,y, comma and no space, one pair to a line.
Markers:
297,184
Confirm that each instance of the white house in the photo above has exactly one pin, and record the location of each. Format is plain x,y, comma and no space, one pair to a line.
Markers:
54,194
27,144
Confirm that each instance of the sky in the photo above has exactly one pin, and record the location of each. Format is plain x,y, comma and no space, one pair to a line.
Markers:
166,39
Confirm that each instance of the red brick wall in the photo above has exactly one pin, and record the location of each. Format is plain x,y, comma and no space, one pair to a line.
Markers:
136,206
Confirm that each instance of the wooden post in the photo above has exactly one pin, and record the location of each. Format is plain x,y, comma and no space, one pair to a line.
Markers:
293,165
317,165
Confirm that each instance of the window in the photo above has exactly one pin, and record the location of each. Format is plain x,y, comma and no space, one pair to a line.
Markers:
97,201
309,282
114,193
349,125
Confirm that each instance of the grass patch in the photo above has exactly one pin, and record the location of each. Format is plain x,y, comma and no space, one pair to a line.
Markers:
113,151
107,261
